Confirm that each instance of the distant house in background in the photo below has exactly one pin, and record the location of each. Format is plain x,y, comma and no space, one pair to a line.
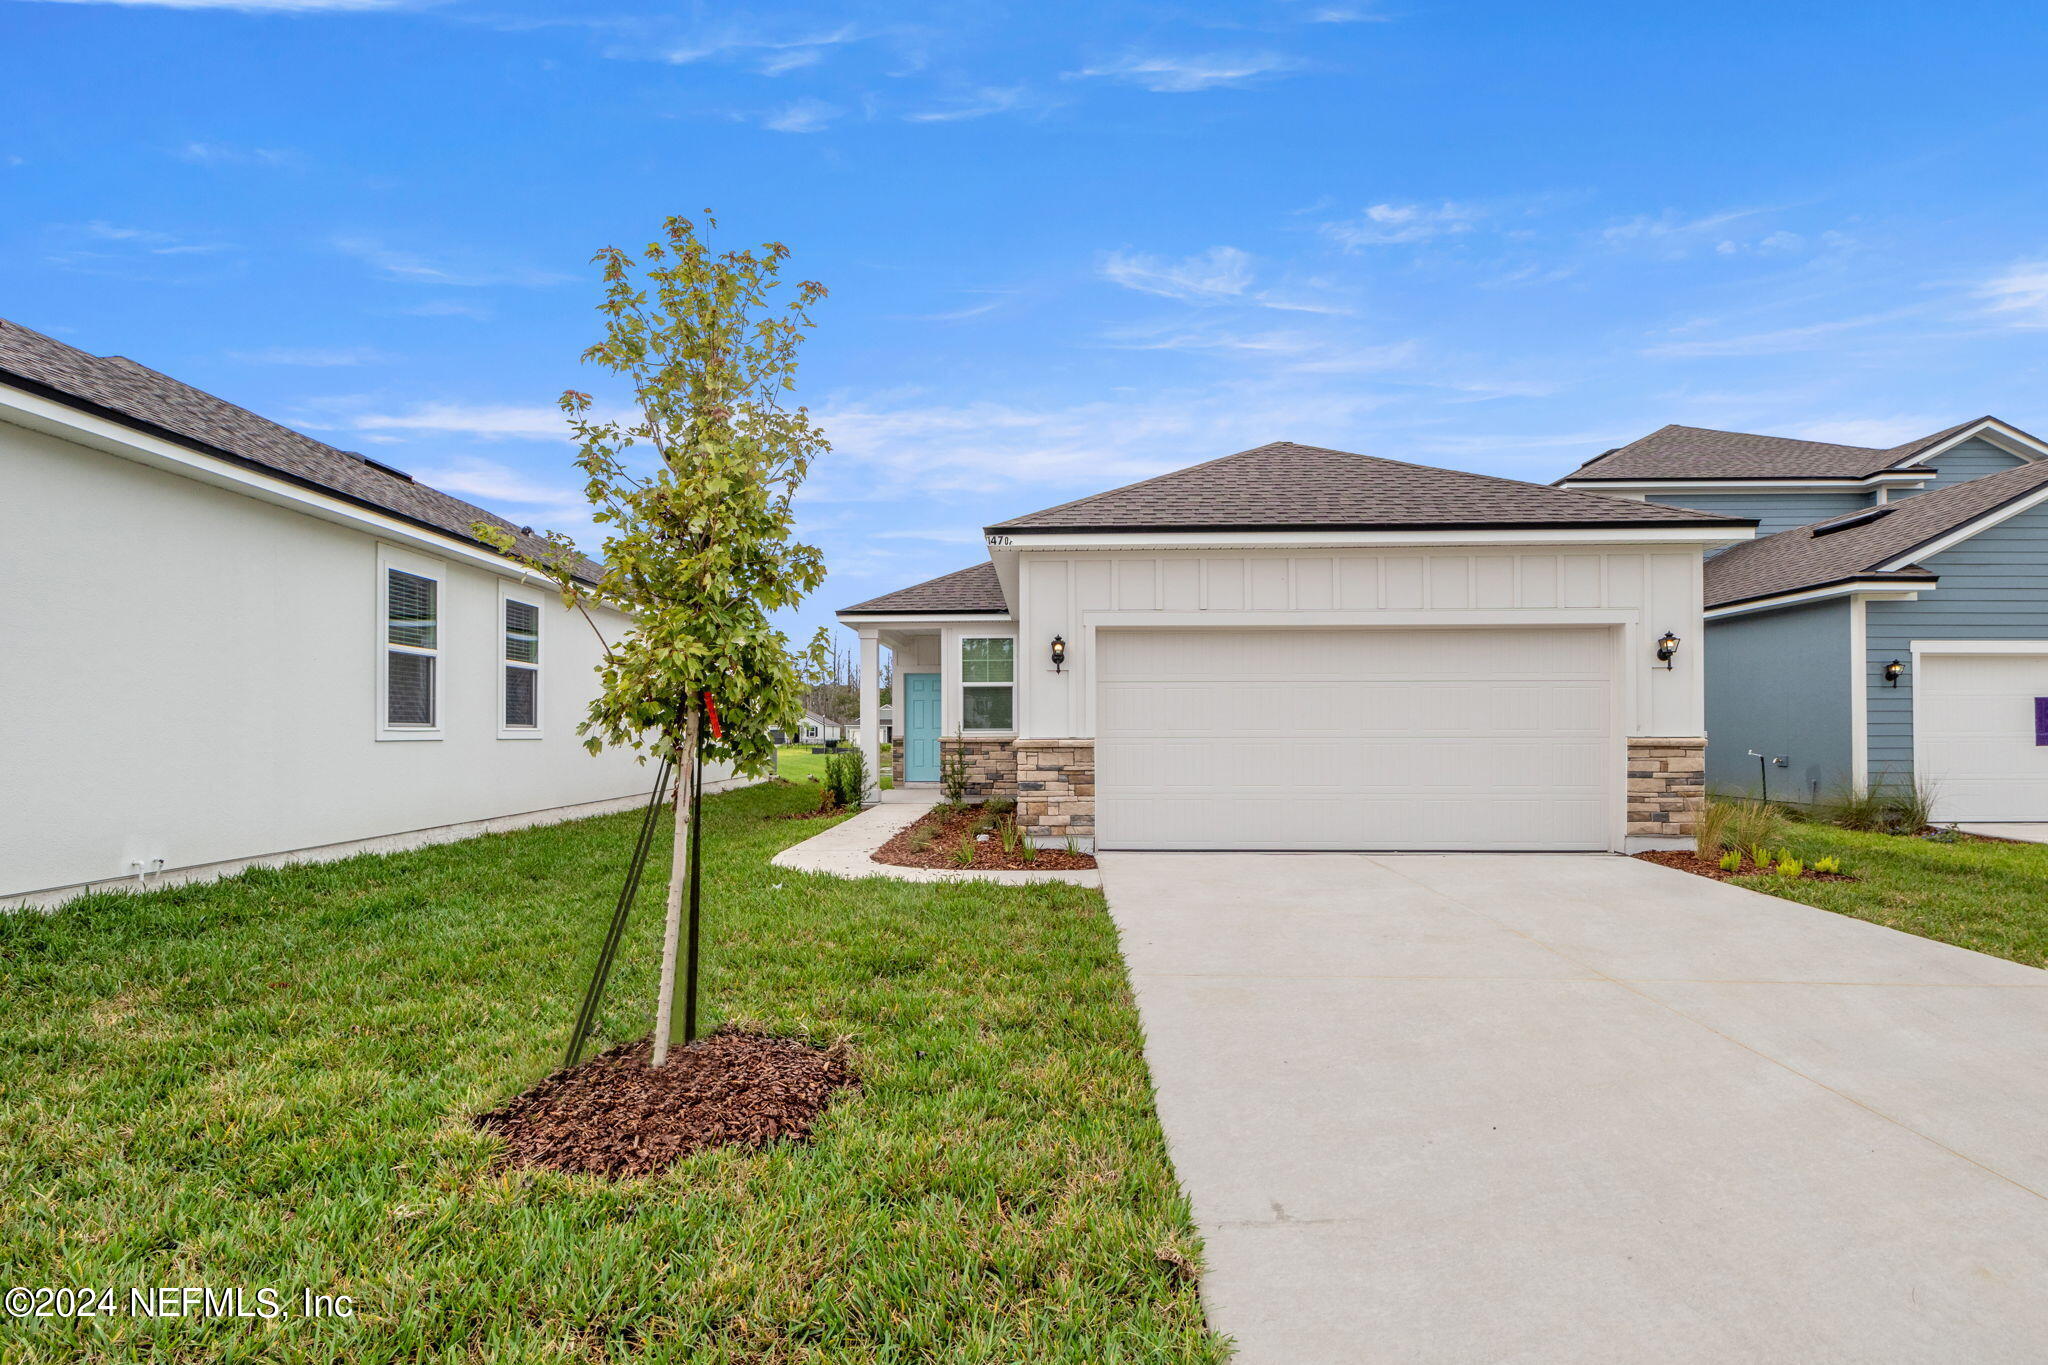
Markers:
229,643
1895,626
817,729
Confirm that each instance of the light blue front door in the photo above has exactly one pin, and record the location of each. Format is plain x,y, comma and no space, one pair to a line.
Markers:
921,725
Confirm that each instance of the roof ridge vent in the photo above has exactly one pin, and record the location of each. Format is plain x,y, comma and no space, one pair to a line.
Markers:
392,470
1861,517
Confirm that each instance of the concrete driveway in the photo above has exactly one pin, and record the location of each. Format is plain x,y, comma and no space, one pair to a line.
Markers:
1571,1108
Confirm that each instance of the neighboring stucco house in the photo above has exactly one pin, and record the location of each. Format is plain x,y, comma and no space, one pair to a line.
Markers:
1895,626
228,642
1301,648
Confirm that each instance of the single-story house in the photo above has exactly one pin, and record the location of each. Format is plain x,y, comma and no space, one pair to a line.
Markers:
816,729
1891,623
231,643
1301,648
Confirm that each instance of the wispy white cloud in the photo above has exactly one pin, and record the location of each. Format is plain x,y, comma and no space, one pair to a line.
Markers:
223,154
886,446
1221,272
484,421
1880,433
1183,75
317,357
806,115
966,537
1395,224
772,55
474,477
409,267
448,308
122,251
1730,232
2019,294
981,103
1783,340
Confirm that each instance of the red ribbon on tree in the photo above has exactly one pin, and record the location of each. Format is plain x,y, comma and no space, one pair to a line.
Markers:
711,713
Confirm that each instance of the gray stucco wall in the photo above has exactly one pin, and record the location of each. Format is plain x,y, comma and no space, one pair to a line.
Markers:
1776,511
1994,586
1779,682
1970,460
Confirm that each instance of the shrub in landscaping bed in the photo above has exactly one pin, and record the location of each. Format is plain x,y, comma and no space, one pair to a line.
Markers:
964,837
1745,865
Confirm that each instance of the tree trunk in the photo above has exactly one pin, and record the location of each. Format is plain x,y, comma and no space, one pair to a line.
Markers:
678,884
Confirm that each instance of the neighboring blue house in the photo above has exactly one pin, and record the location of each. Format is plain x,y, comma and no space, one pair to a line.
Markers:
1890,623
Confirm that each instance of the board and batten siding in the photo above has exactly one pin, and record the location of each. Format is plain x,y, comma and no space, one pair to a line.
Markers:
1994,586
1778,682
1775,512
1970,460
1656,588
193,677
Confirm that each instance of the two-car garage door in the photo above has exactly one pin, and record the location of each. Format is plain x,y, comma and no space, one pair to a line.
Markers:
1355,739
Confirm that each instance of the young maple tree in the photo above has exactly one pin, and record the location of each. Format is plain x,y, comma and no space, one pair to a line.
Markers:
699,540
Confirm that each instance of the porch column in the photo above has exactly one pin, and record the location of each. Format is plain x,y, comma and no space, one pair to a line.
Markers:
871,710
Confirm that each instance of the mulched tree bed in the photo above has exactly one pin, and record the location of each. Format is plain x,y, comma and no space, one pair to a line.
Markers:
1711,867
947,828
615,1115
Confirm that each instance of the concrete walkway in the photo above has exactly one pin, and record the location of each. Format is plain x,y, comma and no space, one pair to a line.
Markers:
1572,1108
846,849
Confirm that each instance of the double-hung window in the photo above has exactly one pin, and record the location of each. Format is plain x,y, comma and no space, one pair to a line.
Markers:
412,646
519,669
988,684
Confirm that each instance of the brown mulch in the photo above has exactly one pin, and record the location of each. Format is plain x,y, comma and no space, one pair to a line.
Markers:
949,827
615,1115
1711,867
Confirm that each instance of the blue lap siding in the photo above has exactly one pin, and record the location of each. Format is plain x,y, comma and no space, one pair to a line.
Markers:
1778,682
1994,586
1970,460
1775,511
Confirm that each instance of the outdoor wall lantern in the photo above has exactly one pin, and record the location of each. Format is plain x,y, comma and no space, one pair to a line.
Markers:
1892,672
1666,648
1059,652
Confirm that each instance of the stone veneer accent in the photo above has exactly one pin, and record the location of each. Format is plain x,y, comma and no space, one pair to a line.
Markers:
896,762
1056,791
1667,785
991,766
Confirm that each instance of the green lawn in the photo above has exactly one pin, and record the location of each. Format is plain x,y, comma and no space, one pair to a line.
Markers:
268,1082
1988,896
797,763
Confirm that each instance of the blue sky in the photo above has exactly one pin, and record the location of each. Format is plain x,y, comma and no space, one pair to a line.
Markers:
1068,245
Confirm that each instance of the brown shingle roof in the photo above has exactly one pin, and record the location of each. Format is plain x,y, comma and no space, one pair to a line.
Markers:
973,589
1798,559
137,396
1676,452
1284,486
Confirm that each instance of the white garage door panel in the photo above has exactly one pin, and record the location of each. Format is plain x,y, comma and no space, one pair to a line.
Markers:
1355,739
1974,735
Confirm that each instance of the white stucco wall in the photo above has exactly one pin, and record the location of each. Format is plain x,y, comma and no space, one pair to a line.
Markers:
1642,591
191,674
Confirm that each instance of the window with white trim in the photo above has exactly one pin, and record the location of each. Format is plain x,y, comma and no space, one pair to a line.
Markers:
412,633
988,684
519,694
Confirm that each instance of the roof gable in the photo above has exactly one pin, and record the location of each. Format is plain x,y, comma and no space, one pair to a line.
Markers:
1284,486
139,397
1688,453
1877,542
974,590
